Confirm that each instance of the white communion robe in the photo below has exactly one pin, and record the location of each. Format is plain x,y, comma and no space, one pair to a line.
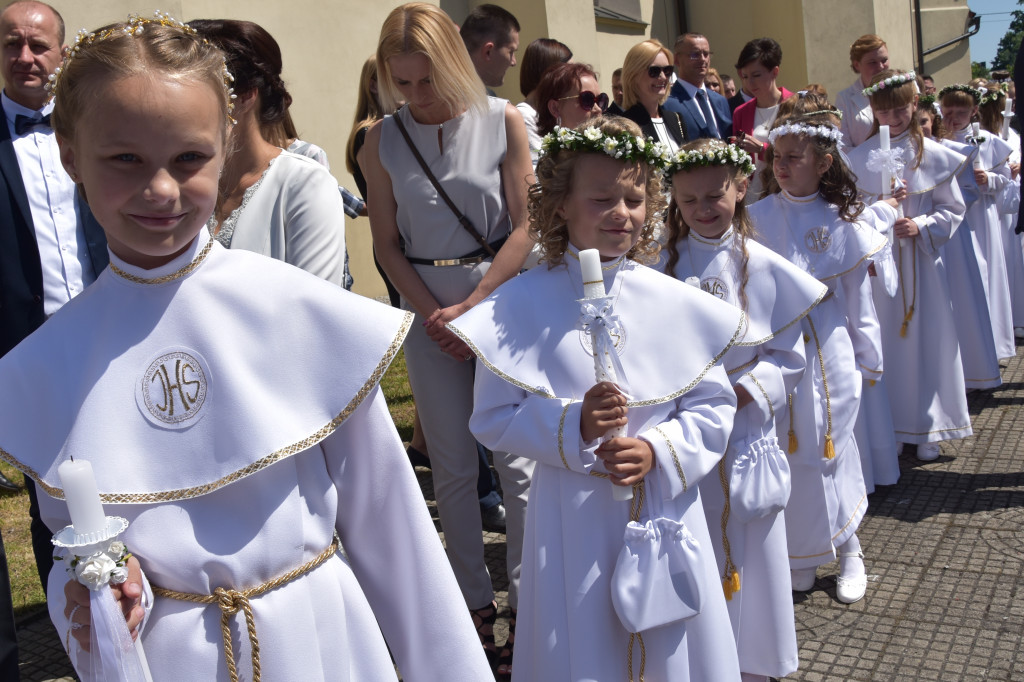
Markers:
992,155
858,119
535,368
230,409
829,498
768,363
967,289
925,375
1009,202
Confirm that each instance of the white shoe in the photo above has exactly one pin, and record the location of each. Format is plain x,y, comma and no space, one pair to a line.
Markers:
851,589
928,452
803,578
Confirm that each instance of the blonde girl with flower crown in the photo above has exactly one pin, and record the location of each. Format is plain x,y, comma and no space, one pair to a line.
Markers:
709,241
600,188
811,219
239,463
919,338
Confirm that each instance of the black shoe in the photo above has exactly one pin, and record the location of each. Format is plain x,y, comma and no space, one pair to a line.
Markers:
417,458
494,518
8,484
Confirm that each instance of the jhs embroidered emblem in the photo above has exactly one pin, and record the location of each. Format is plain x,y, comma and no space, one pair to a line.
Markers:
715,287
818,239
173,388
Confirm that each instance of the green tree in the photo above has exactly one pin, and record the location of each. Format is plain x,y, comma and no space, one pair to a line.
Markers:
1006,53
979,70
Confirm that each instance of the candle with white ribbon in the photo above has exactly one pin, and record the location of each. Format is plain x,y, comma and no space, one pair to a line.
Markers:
976,134
593,287
82,496
1004,132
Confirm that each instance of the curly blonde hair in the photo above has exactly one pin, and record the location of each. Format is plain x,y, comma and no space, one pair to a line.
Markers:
555,172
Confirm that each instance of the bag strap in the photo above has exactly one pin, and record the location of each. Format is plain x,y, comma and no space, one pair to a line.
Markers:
463,220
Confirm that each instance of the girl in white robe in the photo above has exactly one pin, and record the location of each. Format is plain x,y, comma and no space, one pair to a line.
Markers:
536,396
229,406
991,169
709,242
810,221
925,378
970,306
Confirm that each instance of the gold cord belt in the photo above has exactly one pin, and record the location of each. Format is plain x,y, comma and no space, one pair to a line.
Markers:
233,601
635,505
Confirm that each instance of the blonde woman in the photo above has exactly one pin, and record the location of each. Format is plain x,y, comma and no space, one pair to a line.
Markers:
477,148
645,76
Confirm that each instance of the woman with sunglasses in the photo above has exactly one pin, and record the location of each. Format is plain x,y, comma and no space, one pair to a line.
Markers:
568,95
645,79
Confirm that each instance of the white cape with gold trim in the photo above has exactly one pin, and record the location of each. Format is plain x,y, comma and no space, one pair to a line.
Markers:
278,438
536,366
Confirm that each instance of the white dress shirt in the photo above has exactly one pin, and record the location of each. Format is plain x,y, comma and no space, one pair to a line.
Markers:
691,90
53,203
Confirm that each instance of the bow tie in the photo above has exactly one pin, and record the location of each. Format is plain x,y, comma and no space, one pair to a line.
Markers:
25,124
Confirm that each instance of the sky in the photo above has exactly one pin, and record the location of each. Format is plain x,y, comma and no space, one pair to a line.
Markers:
995,20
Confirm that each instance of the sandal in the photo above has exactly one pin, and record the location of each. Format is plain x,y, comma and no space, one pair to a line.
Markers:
483,621
504,670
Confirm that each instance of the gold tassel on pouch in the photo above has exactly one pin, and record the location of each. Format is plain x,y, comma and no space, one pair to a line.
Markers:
830,450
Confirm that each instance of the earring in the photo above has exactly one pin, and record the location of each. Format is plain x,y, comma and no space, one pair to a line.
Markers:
558,120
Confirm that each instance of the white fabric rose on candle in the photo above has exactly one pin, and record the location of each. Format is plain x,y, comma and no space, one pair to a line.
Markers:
94,572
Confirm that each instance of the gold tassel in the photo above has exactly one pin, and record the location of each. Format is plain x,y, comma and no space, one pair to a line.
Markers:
906,321
806,338
792,441
731,584
792,433
735,581
727,588
830,450
871,382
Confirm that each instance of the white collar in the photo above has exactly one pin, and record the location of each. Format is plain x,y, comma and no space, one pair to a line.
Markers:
12,108
692,89
182,266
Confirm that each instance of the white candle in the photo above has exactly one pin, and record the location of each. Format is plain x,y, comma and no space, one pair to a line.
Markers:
883,144
593,287
1004,132
593,278
82,496
976,133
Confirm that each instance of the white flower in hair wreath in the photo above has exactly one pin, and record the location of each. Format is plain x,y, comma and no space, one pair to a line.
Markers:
726,154
890,82
826,132
623,146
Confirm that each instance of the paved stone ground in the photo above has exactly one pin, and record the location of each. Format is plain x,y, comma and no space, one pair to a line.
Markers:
945,552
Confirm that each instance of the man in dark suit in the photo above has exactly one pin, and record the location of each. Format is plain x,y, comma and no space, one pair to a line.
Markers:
50,246
705,112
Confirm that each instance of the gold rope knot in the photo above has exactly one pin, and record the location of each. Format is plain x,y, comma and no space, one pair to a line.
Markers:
229,601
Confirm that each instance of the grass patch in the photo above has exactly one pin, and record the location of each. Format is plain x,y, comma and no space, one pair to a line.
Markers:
27,593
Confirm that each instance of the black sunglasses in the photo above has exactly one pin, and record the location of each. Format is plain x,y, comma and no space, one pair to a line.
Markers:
653,71
587,100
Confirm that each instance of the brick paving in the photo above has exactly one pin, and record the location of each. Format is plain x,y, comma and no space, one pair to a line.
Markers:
944,553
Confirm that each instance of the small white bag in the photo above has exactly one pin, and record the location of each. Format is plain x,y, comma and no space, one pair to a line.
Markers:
659,576
759,480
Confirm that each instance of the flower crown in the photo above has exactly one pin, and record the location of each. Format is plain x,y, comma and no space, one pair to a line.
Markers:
992,93
824,131
974,92
719,155
624,146
926,101
891,82
133,27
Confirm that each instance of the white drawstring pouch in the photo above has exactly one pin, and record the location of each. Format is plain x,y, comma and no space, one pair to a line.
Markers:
759,480
658,576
